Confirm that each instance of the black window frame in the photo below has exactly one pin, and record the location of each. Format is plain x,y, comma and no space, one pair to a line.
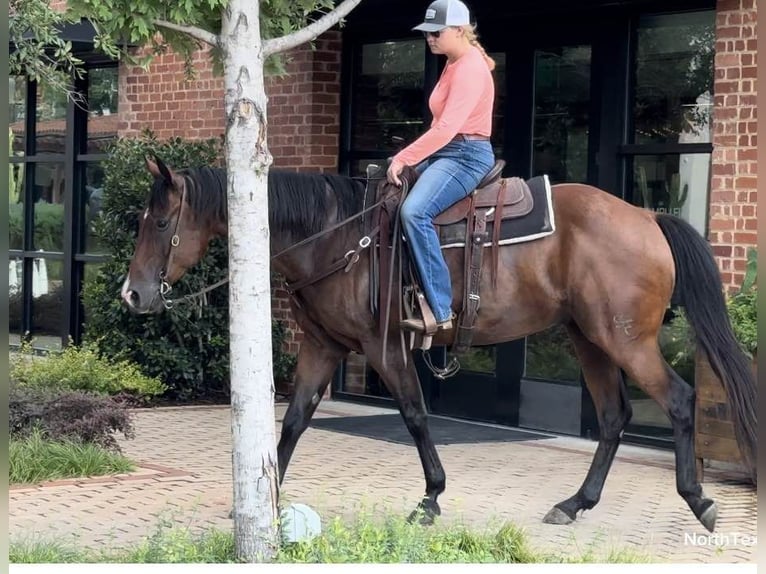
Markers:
75,162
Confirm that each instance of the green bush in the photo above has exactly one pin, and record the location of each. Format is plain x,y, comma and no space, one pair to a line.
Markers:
71,415
743,307
83,369
187,347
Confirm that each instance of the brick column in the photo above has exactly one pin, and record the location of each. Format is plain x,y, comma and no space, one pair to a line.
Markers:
733,224
304,119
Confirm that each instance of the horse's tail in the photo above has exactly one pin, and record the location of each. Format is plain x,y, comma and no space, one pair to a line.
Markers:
700,291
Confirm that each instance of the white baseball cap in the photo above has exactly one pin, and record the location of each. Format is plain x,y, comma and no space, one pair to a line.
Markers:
444,13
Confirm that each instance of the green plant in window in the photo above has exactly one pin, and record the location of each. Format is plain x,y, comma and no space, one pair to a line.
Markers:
676,195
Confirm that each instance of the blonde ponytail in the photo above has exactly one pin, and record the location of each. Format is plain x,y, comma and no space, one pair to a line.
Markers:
473,39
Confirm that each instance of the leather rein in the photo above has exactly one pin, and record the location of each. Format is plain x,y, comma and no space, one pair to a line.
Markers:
349,259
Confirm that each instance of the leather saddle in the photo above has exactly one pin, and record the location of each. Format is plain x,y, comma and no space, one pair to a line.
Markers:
510,198
494,199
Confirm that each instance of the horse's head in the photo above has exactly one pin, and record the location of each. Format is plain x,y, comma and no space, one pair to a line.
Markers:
169,241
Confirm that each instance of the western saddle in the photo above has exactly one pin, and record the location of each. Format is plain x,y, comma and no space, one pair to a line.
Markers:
495,199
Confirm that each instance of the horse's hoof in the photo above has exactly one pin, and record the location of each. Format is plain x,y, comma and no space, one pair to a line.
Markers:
425,513
557,516
709,516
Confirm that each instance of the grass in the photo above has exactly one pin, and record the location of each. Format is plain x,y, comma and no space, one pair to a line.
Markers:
35,459
364,540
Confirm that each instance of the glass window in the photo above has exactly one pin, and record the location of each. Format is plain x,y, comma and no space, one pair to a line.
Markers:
388,95
94,192
498,113
675,183
102,109
16,173
479,360
551,356
49,207
90,274
674,78
17,116
562,110
361,379
50,129
15,298
48,321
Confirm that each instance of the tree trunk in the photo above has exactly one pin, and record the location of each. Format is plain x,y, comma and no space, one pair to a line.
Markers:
254,456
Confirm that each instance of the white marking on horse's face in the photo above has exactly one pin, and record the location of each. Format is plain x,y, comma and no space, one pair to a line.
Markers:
126,289
146,214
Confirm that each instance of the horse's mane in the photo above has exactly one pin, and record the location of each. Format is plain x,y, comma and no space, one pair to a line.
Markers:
299,203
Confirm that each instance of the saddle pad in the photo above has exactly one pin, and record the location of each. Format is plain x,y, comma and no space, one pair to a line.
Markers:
536,224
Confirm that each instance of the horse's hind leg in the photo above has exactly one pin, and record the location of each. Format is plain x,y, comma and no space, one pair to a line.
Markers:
316,364
402,382
607,387
644,363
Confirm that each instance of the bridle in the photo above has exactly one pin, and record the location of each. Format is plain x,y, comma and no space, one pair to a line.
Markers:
165,287
349,259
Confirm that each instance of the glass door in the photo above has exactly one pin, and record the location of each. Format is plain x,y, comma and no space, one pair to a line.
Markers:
551,392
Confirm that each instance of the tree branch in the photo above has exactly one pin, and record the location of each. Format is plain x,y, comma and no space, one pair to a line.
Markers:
193,31
284,43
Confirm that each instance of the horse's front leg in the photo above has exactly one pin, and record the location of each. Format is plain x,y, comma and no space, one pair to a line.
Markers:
402,382
316,364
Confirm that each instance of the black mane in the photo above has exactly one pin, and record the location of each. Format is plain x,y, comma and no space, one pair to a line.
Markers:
299,203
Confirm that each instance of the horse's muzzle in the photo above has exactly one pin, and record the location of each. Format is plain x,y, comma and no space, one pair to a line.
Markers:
141,298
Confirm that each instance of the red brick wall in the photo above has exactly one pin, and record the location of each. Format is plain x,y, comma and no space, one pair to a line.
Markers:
733,224
304,118
164,101
304,108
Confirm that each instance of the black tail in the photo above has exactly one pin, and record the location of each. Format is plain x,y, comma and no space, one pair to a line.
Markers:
699,290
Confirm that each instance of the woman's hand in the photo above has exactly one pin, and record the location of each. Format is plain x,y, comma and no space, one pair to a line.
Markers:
394,170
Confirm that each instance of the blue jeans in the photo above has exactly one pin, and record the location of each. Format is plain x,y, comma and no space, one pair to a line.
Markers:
446,177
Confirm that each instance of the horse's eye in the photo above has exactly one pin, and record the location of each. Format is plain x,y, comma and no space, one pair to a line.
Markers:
162,224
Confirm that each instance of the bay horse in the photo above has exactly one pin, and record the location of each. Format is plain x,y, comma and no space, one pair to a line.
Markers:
608,274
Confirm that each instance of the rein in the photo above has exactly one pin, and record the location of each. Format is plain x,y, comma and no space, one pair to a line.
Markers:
349,259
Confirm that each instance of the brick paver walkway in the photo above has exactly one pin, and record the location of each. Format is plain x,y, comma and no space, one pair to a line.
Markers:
185,460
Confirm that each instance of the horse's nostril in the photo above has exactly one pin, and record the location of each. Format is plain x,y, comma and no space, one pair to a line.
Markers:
134,298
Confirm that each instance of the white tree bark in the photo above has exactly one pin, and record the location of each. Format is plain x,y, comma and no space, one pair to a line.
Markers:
254,454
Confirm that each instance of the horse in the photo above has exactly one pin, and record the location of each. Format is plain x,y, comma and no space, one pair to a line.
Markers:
609,274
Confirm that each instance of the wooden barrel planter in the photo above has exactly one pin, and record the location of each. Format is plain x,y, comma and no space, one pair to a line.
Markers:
714,437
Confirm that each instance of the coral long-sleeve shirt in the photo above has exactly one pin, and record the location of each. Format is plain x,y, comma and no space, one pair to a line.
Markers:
461,103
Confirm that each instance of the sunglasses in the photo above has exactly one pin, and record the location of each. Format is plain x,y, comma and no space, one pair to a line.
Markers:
432,34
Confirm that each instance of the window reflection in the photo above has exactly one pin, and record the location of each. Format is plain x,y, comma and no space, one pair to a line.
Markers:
49,207
676,183
498,116
16,172
388,95
50,136
562,109
674,78
47,303
102,108
550,355
17,117
94,193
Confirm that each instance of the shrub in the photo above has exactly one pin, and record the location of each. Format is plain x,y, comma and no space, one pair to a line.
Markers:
75,415
188,346
36,459
81,368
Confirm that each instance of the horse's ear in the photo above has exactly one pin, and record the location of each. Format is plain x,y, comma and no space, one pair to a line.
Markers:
159,170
